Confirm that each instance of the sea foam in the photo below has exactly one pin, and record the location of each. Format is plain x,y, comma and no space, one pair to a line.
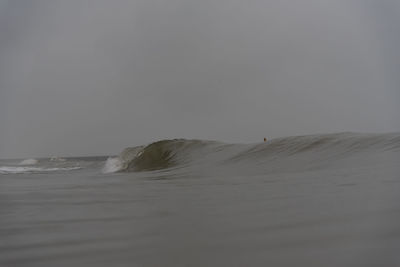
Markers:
15,170
29,162
113,164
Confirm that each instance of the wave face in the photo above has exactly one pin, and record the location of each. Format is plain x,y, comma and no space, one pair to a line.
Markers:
163,154
288,153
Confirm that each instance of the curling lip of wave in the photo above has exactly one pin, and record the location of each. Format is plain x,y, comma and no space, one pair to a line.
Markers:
166,154
155,156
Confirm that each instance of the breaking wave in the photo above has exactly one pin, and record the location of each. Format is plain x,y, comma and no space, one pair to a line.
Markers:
15,170
159,155
113,164
29,162
46,165
290,152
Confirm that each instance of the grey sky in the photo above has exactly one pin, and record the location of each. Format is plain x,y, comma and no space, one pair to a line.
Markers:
93,77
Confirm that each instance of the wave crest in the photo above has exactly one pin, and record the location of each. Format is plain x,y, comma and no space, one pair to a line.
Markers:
181,152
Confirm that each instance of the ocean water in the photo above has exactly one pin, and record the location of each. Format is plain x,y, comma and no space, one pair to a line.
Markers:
318,200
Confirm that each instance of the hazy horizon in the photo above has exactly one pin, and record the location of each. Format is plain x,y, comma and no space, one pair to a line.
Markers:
91,78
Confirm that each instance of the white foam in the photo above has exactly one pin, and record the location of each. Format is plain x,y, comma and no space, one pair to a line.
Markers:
15,170
29,162
113,165
57,159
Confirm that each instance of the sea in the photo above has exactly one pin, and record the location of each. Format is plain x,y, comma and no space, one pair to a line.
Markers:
314,200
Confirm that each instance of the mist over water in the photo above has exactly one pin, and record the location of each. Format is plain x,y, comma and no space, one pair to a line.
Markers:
320,200
93,77
148,84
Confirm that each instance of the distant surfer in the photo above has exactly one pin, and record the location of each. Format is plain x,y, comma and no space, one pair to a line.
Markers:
265,139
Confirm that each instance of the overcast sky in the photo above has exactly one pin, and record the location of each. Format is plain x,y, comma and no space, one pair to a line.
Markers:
93,77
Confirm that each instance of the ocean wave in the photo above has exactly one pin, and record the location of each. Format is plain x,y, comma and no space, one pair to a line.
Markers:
158,155
300,150
339,143
57,159
29,162
15,170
